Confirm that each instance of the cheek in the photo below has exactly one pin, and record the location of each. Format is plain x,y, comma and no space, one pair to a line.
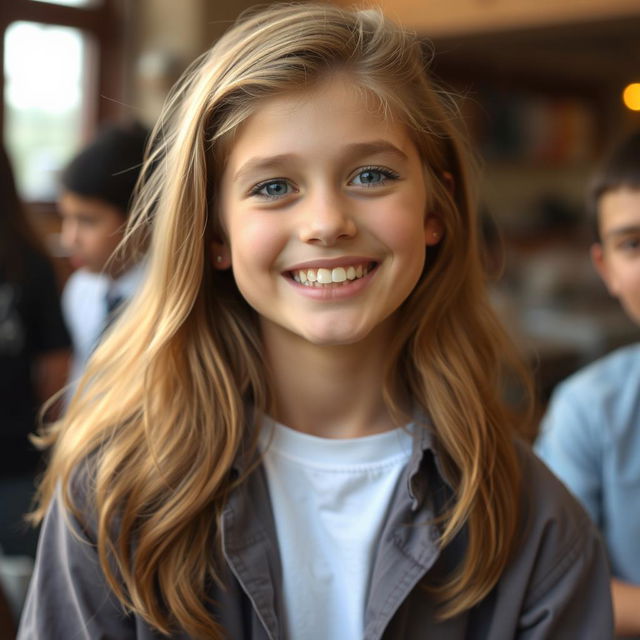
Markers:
630,282
255,244
624,278
401,225
107,236
625,272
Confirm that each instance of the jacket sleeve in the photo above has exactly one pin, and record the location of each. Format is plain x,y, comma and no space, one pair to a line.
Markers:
68,596
569,595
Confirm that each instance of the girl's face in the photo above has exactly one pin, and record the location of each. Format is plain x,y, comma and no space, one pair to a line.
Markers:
324,204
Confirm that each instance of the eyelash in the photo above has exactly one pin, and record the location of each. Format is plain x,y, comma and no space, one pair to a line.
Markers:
387,174
255,191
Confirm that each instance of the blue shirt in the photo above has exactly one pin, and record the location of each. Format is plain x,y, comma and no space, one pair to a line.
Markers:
590,438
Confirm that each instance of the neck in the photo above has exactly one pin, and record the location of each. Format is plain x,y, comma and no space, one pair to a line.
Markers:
328,391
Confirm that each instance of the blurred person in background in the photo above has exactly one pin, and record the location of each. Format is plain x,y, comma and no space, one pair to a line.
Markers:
96,191
34,358
591,434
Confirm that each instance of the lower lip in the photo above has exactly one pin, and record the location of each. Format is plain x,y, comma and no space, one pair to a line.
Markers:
337,291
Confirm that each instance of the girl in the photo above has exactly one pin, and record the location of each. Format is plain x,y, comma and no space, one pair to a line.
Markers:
296,429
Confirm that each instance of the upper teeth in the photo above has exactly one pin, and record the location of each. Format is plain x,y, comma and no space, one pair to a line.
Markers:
315,277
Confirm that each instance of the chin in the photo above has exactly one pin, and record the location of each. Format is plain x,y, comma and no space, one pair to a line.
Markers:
332,342
91,269
336,338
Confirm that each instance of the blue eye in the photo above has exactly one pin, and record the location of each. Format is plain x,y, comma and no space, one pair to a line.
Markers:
373,176
630,244
272,189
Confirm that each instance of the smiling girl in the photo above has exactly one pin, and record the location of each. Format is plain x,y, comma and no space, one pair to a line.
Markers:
296,429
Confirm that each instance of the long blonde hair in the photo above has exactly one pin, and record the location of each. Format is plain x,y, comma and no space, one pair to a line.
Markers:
161,412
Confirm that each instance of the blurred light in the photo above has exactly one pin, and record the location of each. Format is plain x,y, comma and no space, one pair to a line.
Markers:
71,3
45,100
43,65
631,96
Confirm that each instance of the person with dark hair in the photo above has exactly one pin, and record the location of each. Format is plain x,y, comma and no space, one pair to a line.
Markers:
34,357
97,189
591,434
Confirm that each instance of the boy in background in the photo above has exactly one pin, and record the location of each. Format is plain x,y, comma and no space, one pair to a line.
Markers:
97,188
590,436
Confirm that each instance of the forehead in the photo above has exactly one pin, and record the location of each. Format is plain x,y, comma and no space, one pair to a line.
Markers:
302,118
619,208
72,204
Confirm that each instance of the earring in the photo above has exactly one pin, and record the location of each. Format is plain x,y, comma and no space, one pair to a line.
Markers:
435,235
218,259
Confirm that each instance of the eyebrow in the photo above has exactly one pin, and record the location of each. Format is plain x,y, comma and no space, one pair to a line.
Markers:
354,150
622,231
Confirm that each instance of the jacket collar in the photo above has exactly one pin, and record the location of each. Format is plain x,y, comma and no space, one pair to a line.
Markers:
425,453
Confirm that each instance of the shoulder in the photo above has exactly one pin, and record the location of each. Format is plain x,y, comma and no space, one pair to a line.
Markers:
556,531
606,376
74,498
596,402
69,591
544,499
556,584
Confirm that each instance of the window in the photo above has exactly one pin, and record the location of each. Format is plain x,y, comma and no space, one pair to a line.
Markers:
53,57
45,102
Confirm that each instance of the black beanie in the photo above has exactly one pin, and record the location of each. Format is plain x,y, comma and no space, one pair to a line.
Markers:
108,168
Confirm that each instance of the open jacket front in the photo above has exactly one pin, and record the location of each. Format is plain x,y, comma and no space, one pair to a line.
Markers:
556,586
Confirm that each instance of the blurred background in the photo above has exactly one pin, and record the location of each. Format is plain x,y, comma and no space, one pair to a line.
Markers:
541,84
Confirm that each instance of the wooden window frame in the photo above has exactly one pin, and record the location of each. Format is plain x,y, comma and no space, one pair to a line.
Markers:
105,85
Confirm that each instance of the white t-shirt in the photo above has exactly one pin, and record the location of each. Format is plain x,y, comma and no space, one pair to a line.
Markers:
330,499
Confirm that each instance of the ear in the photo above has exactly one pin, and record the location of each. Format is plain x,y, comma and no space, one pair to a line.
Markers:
220,256
450,183
433,230
600,263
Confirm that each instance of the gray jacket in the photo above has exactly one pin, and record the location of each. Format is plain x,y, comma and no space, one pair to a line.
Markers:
556,586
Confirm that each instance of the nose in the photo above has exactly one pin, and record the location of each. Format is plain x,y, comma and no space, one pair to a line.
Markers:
69,234
327,220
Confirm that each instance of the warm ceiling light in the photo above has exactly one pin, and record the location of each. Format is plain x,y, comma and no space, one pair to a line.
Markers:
631,96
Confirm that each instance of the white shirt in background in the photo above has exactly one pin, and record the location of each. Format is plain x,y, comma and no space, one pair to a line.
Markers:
85,309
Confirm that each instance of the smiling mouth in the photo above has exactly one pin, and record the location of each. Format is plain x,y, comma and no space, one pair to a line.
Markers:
338,275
